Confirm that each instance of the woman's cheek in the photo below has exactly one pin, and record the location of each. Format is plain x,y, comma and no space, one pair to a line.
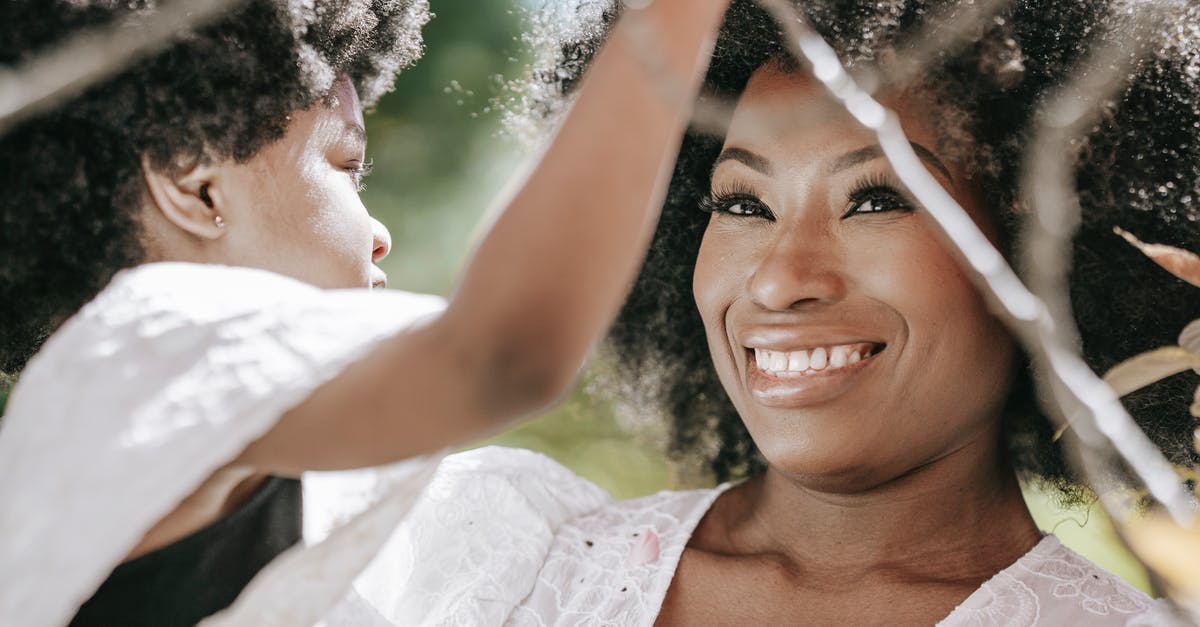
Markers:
721,268
704,278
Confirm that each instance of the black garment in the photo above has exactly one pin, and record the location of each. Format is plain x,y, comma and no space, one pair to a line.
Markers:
181,584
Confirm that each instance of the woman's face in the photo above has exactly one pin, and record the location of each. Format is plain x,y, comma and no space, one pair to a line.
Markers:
294,207
848,339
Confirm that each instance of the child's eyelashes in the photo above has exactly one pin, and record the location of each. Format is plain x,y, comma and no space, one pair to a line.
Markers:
359,171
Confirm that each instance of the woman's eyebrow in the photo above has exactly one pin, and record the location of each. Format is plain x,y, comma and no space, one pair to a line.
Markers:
745,157
863,155
857,157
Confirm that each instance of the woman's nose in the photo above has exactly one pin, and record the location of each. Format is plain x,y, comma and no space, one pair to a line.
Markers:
799,270
382,243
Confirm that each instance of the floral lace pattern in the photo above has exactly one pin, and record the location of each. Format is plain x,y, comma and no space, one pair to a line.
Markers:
1051,585
567,555
471,547
614,565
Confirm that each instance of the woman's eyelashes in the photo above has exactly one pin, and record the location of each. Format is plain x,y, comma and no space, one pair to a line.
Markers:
876,195
359,171
872,195
737,202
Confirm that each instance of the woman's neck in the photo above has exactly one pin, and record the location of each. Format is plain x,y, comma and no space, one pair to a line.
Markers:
960,517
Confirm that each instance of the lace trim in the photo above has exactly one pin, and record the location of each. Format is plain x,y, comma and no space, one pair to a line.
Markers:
615,565
1011,597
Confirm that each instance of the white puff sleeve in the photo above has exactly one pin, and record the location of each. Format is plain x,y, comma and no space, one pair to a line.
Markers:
165,377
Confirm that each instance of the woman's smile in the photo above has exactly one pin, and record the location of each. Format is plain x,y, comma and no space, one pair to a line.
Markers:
791,368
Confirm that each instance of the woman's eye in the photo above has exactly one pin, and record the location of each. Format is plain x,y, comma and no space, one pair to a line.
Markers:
736,205
877,201
742,209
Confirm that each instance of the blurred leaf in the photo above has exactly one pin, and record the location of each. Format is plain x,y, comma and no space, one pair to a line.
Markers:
1138,372
1190,337
1173,553
1179,262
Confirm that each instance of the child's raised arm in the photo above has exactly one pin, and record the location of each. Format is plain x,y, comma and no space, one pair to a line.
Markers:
544,282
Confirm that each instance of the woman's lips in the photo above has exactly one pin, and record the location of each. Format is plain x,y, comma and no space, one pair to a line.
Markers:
806,377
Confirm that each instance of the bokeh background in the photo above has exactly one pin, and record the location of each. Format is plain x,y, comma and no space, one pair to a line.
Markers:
442,158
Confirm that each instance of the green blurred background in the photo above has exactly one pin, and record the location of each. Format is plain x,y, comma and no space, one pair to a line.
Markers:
441,158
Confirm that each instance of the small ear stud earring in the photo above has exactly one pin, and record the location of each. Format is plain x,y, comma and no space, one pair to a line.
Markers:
219,221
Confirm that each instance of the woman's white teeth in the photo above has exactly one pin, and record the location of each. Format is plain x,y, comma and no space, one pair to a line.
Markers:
815,360
819,359
838,356
798,361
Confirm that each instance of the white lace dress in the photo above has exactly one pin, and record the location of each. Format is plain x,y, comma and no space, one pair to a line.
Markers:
509,537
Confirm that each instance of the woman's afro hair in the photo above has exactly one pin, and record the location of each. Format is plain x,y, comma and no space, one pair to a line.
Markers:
71,179
1138,169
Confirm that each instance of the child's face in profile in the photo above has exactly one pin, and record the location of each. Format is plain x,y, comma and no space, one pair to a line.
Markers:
294,207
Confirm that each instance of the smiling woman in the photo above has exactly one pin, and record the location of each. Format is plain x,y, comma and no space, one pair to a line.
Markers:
813,284
806,334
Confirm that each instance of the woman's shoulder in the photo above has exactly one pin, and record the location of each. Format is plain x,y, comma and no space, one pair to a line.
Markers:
509,536
505,484
1054,585
495,477
473,544
614,564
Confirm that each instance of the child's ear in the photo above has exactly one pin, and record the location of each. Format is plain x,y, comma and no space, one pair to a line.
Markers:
191,199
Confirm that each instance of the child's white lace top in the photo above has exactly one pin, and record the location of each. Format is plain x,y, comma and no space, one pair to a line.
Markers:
509,537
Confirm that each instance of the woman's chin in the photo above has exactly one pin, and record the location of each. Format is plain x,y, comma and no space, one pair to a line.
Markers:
843,472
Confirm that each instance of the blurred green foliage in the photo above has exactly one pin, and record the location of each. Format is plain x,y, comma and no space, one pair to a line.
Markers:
435,141
440,158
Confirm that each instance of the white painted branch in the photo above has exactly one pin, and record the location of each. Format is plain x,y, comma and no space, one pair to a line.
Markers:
92,56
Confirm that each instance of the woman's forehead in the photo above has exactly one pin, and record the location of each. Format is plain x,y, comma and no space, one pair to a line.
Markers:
782,110
785,104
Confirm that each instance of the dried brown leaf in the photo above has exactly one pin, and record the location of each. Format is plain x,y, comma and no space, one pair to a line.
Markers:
1190,337
1177,261
1138,372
